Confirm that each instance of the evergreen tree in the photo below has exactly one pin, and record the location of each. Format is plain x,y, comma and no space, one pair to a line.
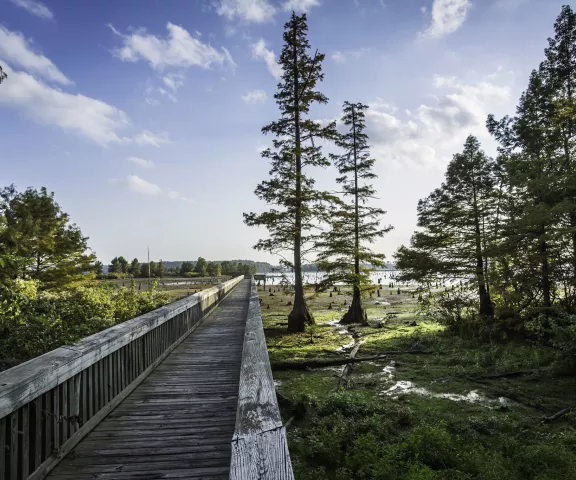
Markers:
528,147
159,269
134,268
345,255
98,267
456,221
296,202
144,270
114,266
39,241
123,264
3,75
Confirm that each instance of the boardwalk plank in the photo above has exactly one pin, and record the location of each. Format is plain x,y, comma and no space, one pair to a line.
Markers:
179,422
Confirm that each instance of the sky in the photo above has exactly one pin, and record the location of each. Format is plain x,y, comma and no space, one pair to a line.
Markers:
144,117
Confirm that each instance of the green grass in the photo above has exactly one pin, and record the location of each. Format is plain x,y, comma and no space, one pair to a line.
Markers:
358,432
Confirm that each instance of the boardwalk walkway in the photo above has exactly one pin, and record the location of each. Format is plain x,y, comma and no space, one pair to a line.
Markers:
179,421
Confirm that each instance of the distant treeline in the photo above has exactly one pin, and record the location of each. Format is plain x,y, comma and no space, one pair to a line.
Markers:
119,267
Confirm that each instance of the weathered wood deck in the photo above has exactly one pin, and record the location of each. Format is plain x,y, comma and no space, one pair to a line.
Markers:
178,423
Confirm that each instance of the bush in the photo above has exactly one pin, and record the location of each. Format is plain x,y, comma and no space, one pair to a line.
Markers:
33,323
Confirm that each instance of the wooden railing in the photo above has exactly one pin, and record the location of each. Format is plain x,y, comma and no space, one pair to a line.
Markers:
48,404
259,446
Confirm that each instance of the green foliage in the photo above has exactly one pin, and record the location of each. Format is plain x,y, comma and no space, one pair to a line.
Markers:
349,435
134,268
201,267
295,203
344,251
33,322
37,240
186,267
214,269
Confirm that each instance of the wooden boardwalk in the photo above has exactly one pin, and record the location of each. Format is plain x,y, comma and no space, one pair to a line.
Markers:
179,422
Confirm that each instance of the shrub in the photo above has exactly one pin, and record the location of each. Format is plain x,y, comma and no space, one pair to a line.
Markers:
33,323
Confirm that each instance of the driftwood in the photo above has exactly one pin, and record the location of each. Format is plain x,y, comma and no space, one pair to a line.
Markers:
559,414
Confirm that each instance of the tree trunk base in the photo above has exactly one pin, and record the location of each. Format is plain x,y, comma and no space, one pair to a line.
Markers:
298,319
356,313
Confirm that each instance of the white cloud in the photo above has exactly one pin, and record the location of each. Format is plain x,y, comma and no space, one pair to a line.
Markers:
255,96
356,53
139,185
246,11
447,17
15,49
88,117
35,8
178,49
150,138
300,5
338,56
173,81
431,134
259,51
141,162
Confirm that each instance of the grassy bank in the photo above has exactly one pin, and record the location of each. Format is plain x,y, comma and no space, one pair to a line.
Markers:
442,414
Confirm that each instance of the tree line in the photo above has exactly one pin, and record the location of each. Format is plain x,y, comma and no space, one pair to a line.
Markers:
200,268
506,226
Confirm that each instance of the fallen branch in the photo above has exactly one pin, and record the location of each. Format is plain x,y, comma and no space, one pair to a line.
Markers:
559,414
322,363
348,368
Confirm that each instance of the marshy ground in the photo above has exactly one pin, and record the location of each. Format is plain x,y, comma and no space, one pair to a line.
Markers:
459,409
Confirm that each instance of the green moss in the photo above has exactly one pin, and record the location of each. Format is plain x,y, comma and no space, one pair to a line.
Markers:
359,433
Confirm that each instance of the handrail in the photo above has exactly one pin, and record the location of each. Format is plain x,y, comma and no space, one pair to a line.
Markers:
48,404
259,445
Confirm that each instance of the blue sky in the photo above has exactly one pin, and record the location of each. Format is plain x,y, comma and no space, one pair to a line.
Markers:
144,117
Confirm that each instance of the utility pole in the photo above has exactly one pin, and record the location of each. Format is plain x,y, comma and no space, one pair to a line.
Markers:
149,281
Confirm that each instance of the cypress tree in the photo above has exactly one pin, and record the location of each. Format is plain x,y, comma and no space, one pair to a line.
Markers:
290,189
345,255
456,222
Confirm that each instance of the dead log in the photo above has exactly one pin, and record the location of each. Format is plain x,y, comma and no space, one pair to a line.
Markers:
322,363
559,414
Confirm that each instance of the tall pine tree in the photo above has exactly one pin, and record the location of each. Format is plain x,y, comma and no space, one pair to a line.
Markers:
345,255
290,189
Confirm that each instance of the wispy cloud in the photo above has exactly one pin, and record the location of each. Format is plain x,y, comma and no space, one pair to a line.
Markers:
260,52
255,96
447,17
246,11
141,162
177,49
35,8
15,49
300,5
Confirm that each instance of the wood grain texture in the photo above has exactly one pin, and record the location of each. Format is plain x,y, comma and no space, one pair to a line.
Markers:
179,421
259,446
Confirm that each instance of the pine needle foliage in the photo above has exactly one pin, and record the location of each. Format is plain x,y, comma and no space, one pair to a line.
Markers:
346,255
